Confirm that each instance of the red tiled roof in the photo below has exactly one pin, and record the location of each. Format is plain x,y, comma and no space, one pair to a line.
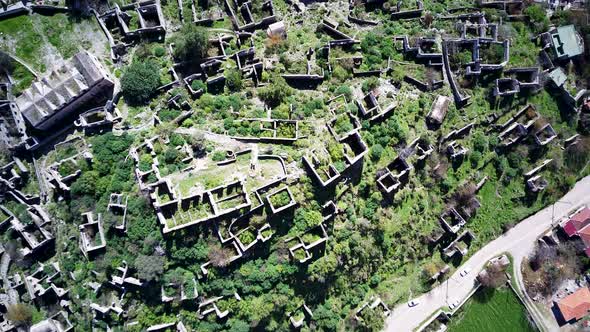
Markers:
577,222
582,216
570,229
584,234
576,305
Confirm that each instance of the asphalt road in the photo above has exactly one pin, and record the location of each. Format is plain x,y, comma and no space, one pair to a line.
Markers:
519,241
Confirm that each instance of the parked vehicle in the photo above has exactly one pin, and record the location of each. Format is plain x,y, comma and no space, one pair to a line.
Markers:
465,272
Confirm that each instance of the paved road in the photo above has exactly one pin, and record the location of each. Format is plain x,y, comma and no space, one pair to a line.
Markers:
519,242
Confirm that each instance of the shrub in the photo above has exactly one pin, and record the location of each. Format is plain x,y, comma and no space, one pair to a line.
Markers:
370,84
198,85
536,13
340,73
344,90
140,81
20,314
280,199
218,155
159,51
479,142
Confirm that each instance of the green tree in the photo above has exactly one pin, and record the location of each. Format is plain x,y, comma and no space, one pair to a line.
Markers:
306,219
326,317
376,151
480,142
140,80
536,13
85,184
276,92
233,79
191,43
322,268
149,267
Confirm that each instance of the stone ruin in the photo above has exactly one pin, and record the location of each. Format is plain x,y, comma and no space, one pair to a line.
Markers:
98,118
127,24
457,215
271,130
374,303
323,170
13,178
167,327
298,317
526,78
62,173
178,292
56,323
124,279
13,130
535,182
242,16
396,174
117,208
456,150
44,282
545,135
177,213
460,245
34,238
303,246
92,239
311,78
518,126
369,107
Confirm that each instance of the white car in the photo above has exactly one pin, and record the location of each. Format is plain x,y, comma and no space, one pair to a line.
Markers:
453,305
465,272
413,303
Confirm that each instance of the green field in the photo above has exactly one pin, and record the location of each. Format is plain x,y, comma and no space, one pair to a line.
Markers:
491,310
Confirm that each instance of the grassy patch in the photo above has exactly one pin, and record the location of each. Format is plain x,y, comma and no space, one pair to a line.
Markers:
68,35
20,38
23,77
492,310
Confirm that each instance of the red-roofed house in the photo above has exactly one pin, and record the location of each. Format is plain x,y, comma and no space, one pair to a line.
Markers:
579,224
576,305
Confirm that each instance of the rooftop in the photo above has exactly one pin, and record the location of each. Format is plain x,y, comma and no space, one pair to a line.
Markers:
567,43
576,305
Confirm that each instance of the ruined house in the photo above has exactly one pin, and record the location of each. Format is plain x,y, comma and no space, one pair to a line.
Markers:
77,82
92,237
460,245
56,323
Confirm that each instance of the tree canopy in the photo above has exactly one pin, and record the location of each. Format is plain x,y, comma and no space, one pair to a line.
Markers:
192,43
140,80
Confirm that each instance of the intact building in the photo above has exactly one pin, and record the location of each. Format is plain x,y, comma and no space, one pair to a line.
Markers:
567,43
77,82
